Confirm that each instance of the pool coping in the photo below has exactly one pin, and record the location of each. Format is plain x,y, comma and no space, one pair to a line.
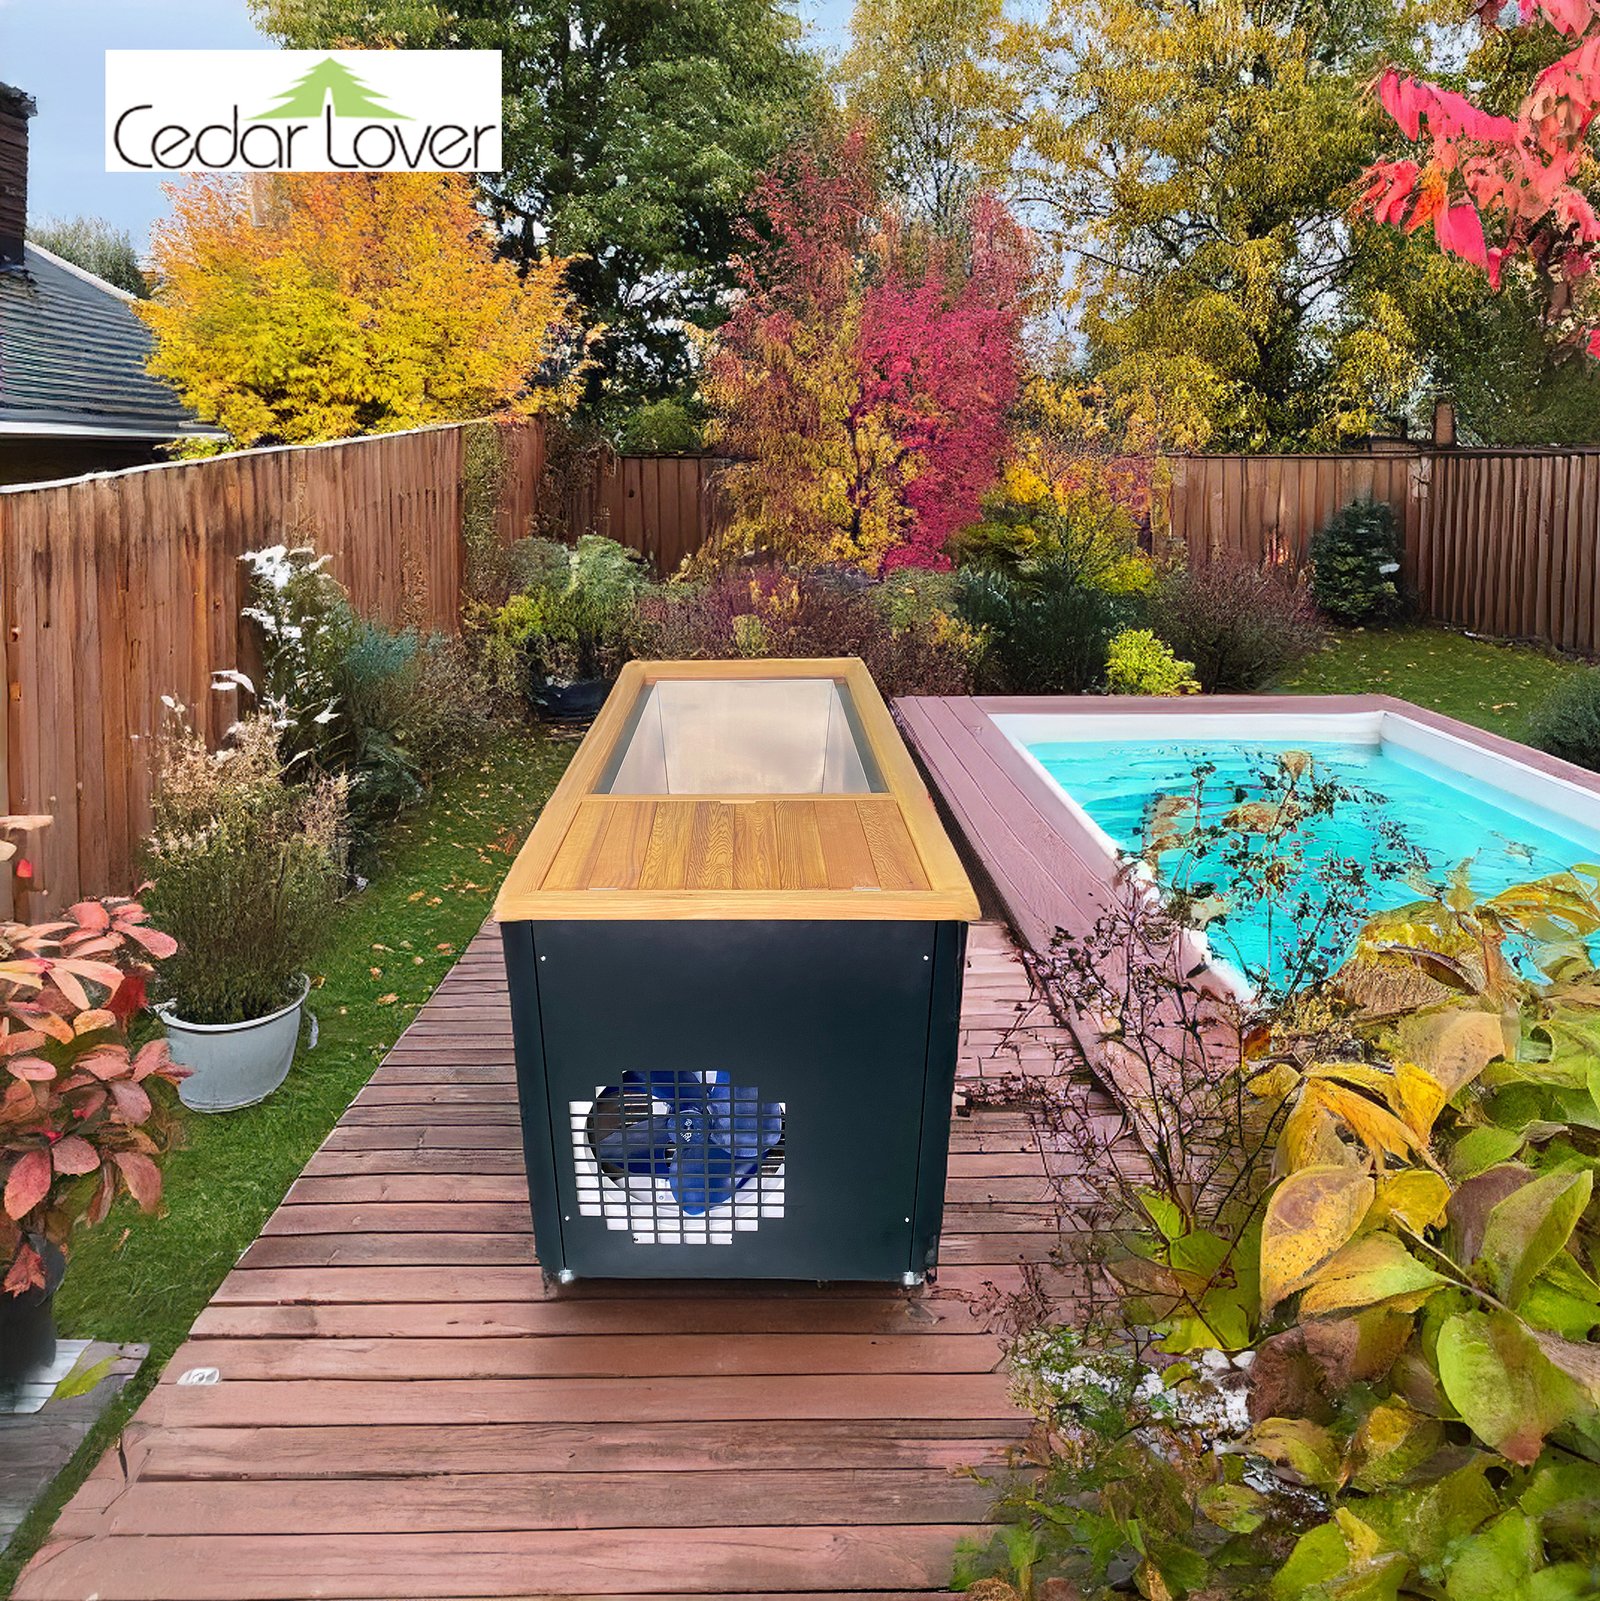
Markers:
1048,863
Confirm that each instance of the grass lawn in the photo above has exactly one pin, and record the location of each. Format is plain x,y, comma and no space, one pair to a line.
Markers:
1490,685
139,1278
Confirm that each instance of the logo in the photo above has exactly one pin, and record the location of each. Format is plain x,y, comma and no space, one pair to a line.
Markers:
173,111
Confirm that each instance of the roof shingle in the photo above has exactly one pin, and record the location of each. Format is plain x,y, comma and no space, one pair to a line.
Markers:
72,359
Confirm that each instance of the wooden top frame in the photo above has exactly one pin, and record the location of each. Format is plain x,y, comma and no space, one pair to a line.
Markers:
881,854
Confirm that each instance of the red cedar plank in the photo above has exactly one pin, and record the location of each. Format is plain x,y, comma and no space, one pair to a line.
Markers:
404,1286
446,1402
433,1187
349,1451
461,1216
1545,553
1564,576
392,1135
515,1250
485,1502
35,674
404,1565
84,725
58,704
1585,513
13,509
585,1356
508,1159
685,1313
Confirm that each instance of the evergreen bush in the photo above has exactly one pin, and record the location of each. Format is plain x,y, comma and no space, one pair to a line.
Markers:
1355,565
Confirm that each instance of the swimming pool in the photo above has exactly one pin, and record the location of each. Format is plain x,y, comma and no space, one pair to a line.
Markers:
1452,801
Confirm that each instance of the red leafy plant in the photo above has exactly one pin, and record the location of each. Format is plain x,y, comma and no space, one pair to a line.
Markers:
83,1116
1528,177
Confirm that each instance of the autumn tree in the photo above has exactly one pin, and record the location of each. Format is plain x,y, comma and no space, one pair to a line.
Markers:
1511,192
350,304
921,76
869,367
1193,163
633,132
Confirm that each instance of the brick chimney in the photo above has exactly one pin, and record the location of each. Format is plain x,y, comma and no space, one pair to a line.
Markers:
15,109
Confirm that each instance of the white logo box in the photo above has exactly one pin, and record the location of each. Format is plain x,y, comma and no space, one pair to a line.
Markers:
178,111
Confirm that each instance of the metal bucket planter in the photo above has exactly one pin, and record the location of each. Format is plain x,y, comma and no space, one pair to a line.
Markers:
28,1325
234,1064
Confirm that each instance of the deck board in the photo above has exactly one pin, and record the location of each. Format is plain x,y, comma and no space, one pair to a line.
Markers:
405,1411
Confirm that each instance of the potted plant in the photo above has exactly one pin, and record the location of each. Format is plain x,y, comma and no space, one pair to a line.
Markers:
246,867
82,1116
572,620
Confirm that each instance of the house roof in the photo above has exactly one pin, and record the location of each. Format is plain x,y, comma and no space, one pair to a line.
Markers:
72,359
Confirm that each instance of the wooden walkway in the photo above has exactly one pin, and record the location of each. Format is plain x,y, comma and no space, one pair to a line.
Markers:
382,1401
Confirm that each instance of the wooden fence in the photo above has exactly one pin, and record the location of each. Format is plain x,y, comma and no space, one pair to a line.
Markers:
665,507
1499,542
1508,543
119,589
1255,508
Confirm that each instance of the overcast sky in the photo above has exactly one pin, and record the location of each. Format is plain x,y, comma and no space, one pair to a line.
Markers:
53,49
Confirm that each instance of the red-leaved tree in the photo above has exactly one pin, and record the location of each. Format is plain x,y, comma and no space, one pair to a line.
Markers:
868,370
1500,190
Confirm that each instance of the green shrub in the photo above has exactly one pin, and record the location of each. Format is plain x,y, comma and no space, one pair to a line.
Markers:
1137,663
1048,627
1242,626
385,707
1355,565
1084,534
449,711
659,428
1567,722
406,706
245,865
1354,1349
575,614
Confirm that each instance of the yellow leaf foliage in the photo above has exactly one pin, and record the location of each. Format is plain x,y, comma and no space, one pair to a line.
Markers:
1311,1214
336,304
1190,161
1375,1270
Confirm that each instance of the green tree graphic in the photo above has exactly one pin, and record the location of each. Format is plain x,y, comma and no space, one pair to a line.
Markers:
351,97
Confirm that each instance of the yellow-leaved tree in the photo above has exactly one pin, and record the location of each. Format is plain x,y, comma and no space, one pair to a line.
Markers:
332,304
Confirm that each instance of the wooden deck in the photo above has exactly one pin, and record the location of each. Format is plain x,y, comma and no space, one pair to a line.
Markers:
382,1401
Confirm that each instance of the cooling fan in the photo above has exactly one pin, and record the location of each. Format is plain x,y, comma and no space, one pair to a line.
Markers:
679,1157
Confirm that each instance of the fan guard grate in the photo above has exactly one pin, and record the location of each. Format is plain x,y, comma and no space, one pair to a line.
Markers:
679,1158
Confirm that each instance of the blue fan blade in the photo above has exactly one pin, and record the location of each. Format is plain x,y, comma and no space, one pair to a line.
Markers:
753,1131
638,1148
702,1179
677,1089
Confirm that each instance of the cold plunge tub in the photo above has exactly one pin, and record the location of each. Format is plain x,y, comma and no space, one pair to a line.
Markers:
1456,795
734,940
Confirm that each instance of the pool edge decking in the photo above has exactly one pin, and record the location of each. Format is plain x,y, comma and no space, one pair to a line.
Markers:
401,1410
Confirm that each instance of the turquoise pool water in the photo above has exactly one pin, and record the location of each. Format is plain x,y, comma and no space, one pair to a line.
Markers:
1445,817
